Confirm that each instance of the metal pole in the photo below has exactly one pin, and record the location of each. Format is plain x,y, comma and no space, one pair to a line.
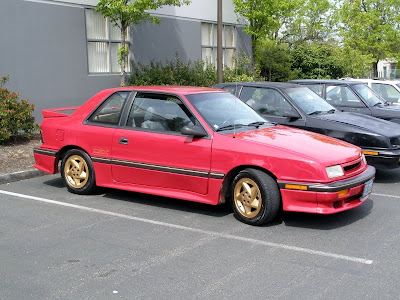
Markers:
219,41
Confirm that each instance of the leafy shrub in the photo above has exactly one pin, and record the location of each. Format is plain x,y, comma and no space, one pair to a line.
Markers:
15,116
175,72
197,73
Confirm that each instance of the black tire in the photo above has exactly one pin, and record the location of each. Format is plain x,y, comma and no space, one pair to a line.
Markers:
262,204
77,172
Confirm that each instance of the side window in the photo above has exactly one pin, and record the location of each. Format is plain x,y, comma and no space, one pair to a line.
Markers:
316,88
342,96
158,112
230,89
266,101
110,111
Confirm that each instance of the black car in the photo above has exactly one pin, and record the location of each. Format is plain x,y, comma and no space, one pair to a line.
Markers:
353,96
294,105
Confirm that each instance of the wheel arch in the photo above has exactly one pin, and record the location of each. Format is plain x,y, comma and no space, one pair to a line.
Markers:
225,190
64,150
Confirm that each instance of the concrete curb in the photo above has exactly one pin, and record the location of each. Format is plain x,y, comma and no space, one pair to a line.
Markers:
20,175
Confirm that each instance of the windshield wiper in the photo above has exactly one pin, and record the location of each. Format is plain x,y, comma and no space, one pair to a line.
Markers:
317,112
331,111
230,127
256,124
378,104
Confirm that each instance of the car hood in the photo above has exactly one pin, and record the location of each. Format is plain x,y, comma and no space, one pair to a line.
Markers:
372,124
324,149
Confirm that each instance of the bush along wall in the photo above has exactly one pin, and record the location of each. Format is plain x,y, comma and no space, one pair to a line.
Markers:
15,115
197,73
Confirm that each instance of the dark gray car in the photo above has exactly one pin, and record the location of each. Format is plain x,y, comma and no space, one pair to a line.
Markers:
352,96
297,106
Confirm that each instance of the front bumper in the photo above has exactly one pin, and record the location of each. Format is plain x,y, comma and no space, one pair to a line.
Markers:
326,198
383,159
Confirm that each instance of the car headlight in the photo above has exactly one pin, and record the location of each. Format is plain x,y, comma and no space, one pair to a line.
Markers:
363,158
334,171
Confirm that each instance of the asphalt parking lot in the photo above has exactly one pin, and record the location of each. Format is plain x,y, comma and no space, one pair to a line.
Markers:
124,245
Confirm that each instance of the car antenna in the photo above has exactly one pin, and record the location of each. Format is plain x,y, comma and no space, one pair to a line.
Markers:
234,111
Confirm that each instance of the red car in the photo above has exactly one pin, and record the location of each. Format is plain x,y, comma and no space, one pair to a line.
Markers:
203,145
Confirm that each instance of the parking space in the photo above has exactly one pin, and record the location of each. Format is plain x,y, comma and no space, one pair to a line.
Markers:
117,244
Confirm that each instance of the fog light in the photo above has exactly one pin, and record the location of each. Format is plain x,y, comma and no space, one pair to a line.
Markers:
343,193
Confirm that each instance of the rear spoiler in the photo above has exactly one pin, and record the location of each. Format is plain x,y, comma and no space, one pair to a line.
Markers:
59,112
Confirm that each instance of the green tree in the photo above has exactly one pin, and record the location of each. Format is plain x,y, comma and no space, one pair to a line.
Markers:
124,13
371,27
312,22
266,17
273,60
318,60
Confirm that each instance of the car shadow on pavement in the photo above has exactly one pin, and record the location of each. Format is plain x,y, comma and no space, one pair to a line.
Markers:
328,222
168,203
293,219
387,176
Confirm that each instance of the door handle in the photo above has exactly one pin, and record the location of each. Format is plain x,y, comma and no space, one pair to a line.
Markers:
123,141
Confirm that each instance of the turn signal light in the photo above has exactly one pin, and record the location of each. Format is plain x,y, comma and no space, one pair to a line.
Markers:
296,187
370,153
343,193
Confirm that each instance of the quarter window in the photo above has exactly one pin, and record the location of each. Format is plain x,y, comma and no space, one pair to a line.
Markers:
103,42
162,113
109,112
209,44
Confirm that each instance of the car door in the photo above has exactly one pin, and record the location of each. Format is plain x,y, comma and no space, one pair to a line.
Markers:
344,99
272,105
150,150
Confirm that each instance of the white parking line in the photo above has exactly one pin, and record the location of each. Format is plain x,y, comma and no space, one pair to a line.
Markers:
385,195
212,233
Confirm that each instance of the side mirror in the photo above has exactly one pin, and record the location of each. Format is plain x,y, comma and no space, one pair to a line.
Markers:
291,114
195,131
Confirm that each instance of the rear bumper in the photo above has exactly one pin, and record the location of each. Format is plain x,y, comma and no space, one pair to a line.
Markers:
325,198
45,160
386,159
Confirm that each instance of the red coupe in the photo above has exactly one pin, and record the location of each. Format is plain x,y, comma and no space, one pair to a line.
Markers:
203,145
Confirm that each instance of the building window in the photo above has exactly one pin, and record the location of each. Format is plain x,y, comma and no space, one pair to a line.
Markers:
209,44
103,42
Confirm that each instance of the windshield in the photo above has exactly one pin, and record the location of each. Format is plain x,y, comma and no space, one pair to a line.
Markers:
367,94
308,101
223,111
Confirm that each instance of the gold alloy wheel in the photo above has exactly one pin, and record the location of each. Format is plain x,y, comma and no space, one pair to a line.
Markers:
247,197
76,171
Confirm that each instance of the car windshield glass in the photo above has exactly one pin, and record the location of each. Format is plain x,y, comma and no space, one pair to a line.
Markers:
308,101
367,94
223,110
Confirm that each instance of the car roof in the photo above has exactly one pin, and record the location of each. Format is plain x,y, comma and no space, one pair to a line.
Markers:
375,80
331,81
262,84
183,90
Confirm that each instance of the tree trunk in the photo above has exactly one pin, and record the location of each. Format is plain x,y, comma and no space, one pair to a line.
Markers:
123,54
375,69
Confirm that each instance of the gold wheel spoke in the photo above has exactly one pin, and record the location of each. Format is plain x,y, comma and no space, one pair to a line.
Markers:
75,163
82,175
246,187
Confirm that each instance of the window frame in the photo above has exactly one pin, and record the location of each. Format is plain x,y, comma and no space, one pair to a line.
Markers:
214,47
109,41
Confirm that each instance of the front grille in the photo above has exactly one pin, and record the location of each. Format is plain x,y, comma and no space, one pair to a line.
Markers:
352,167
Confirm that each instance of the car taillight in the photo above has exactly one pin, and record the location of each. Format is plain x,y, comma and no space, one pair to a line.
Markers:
41,136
